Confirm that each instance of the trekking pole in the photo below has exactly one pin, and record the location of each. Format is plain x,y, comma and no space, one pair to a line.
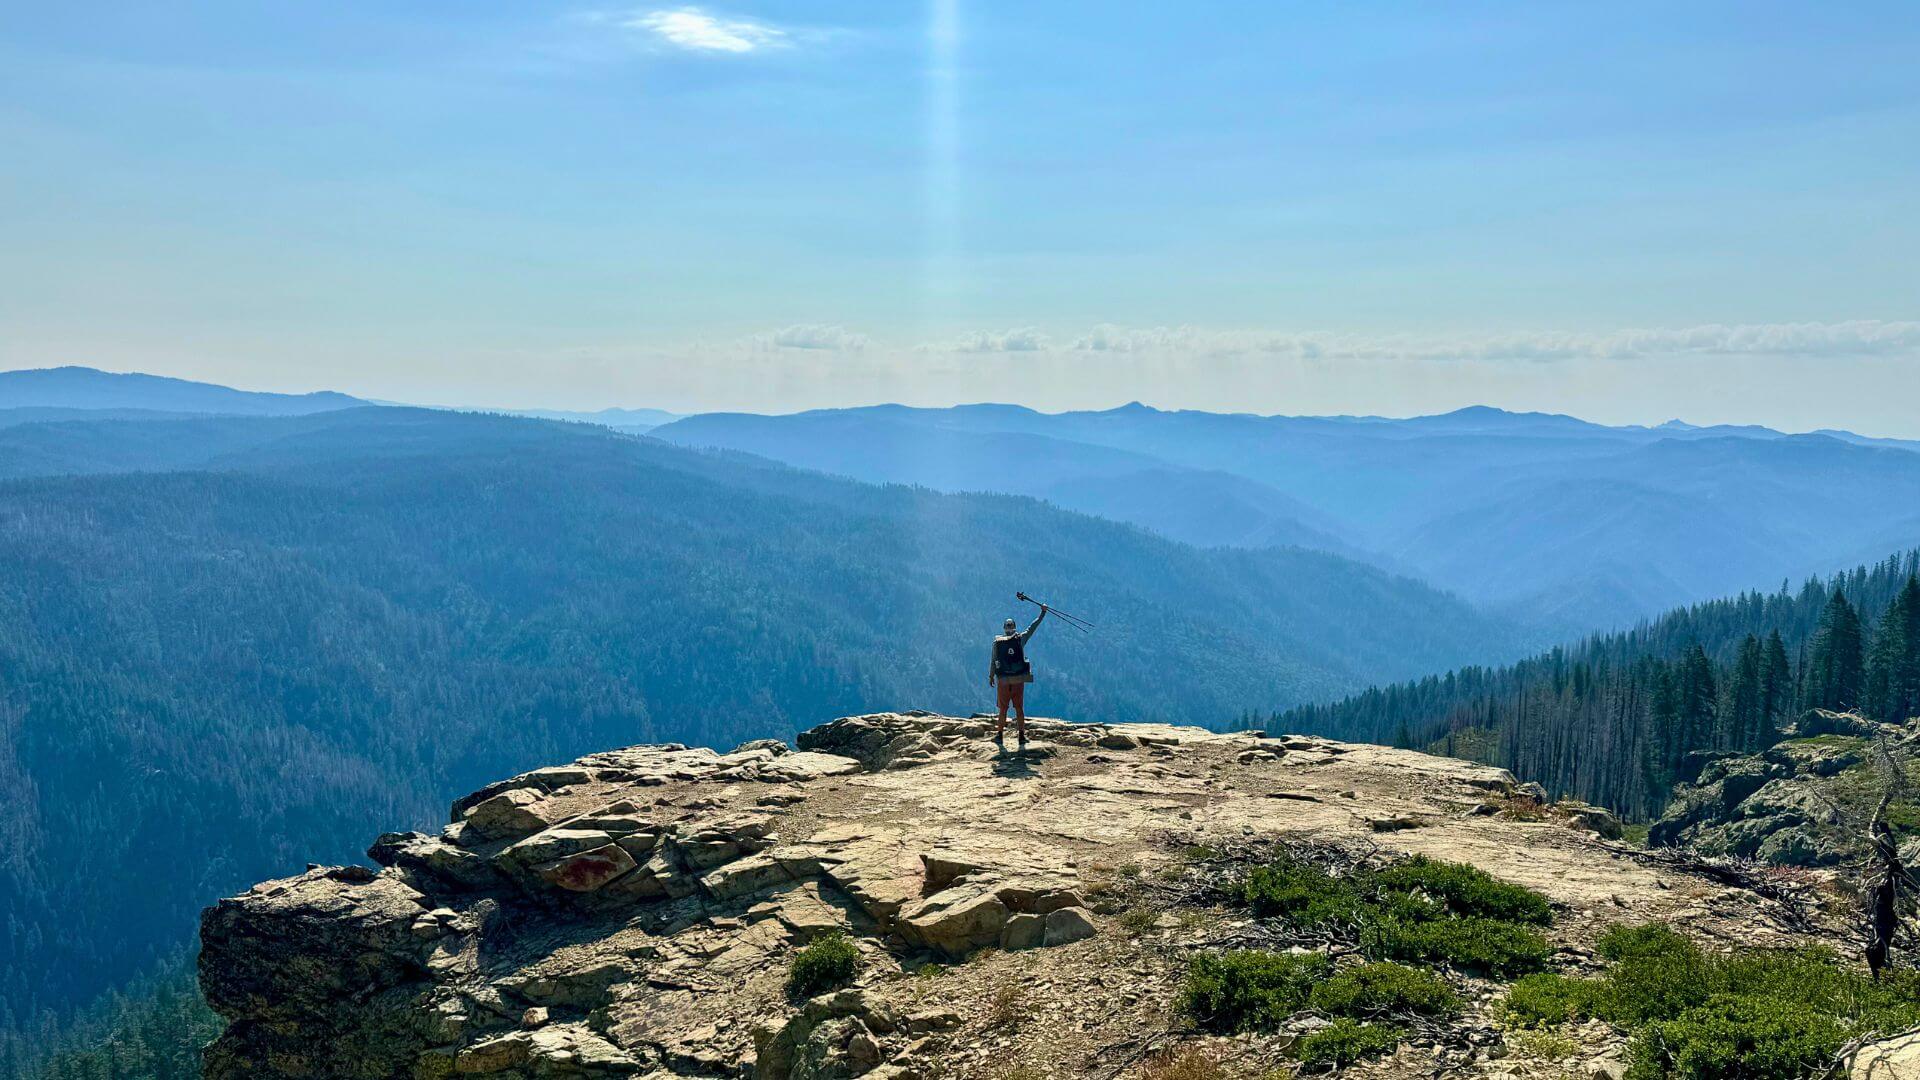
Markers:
1074,621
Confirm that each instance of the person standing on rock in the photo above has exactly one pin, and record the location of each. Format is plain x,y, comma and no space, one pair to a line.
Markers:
1011,673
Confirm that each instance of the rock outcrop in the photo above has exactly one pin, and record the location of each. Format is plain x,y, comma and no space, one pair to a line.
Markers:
1803,802
635,912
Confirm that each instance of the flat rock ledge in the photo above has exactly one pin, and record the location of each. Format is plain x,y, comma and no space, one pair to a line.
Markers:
634,913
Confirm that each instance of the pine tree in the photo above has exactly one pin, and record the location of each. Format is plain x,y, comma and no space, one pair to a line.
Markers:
1776,689
1893,673
1741,712
1698,700
1836,664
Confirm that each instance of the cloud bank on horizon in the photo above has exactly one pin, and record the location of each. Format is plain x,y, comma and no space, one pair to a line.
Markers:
1793,377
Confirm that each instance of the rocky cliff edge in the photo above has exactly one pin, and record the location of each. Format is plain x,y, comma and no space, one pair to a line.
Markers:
635,912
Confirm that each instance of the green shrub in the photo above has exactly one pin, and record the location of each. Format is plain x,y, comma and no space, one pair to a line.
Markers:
827,963
1464,890
1817,979
1346,1041
1738,1037
1384,989
1471,943
1419,909
1647,939
1645,988
1758,1014
1548,1000
1537,1043
1249,990
1302,894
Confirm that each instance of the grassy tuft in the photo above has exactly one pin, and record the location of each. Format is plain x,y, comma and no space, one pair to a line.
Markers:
1545,1045
1187,1063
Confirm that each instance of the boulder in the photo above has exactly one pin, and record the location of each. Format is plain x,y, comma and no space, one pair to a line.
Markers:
1068,925
1595,819
1024,931
956,921
442,863
1799,845
833,1036
551,844
1897,1058
588,870
1827,755
772,746
559,1050
507,815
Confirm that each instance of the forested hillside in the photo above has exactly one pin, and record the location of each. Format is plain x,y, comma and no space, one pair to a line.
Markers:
1566,523
1613,719
333,624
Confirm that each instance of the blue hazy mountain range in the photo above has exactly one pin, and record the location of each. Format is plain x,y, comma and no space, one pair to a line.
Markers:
1560,522
233,644
1551,518
64,390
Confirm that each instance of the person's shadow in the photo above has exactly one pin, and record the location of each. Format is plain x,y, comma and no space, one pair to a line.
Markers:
1017,764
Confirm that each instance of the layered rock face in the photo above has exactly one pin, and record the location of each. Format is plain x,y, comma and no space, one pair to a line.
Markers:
635,912
1803,802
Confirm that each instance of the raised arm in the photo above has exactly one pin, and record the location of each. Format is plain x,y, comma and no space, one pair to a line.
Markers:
1034,625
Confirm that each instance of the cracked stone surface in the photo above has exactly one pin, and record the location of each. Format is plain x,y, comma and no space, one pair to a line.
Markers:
634,913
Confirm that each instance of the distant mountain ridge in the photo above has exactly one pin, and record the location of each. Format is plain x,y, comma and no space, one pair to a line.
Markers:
84,388
1548,517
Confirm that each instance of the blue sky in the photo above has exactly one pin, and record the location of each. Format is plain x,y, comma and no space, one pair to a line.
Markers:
1627,211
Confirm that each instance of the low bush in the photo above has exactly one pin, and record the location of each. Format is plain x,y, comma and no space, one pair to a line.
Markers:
1249,990
1419,910
1546,1045
1757,1014
1647,939
1346,1041
1373,990
827,963
1738,1036
1548,1000
1302,894
1488,945
1464,890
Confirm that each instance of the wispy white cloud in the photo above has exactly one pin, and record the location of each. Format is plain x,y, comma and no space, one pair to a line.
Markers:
697,30
812,336
1863,337
1019,339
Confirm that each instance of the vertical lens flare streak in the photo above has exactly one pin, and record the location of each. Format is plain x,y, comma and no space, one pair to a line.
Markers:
942,194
